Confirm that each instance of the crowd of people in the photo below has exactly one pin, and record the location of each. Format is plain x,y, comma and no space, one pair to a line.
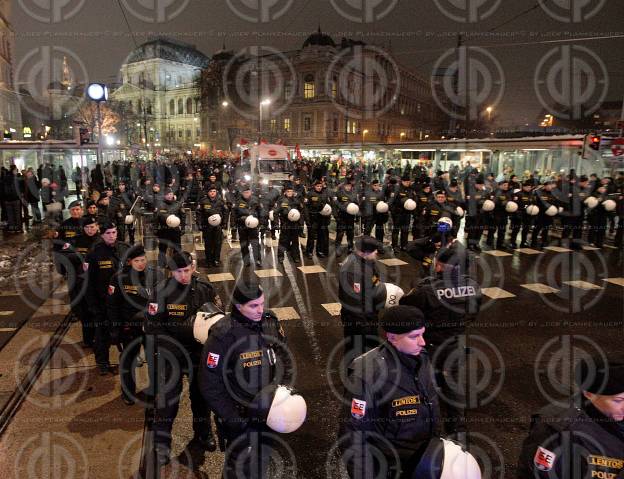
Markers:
238,362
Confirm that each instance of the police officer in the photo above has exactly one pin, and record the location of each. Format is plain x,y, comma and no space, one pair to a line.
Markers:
121,203
128,294
72,226
244,355
476,195
448,299
619,231
361,296
521,220
437,209
400,216
169,233
345,221
498,218
391,409
455,200
318,224
597,218
102,262
247,205
371,216
208,206
424,198
289,231
76,252
544,199
169,321
585,439
268,197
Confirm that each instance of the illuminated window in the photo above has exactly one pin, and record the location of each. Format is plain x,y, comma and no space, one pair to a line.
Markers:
273,125
309,88
334,88
286,124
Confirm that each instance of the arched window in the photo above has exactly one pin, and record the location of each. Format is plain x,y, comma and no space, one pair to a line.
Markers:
130,107
172,107
309,88
148,106
180,107
189,106
140,107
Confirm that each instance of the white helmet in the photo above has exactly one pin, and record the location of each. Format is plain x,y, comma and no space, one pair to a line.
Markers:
271,215
511,207
460,212
409,205
488,205
173,221
45,182
129,219
251,222
394,294
532,210
326,211
353,209
55,207
552,210
445,224
591,202
288,412
205,318
214,220
382,207
294,215
446,459
609,205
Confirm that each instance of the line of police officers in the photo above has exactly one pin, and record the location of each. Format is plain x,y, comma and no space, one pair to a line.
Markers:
236,369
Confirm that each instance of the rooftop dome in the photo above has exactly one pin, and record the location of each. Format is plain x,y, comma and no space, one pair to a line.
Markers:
171,50
319,39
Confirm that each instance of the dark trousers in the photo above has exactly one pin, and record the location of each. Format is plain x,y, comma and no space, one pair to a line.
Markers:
77,289
14,215
572,227
168,238
400,226
520,222
36,212
168,393
288,241
597,230
248,454
131,349
249,237
449,364
619,232
101,347
318,234
542,226
345,224
213,239
498,225
474,227
420,227
378,223
122,229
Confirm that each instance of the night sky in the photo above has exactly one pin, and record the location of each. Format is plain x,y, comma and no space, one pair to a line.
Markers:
418,30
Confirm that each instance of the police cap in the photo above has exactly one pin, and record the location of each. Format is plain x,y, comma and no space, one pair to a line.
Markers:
136,251
367,244
75,203
402,319
180,259
88,220
597,375
247,289
107,225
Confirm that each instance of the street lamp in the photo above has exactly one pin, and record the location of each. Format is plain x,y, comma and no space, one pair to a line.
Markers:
364,133
225,104
489,112
265,102
98,92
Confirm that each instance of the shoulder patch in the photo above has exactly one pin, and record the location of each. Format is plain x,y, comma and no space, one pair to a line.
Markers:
358,408
544,459
152,309
85,266
357,287
213,360
111,289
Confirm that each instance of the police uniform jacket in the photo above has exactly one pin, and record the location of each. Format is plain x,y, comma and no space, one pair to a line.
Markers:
447,302
102,262
207,207
343,198
360,290
391,396
572,443
283,206
166,208
70,229
314,203
368,203
244,208
170,313
240,358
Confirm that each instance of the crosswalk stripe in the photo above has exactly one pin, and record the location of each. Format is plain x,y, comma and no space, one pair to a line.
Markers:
618,281
332,308
558,249
267,273
497,293
540,288
582,285
529,251
497,253
7,330
6,313
286,314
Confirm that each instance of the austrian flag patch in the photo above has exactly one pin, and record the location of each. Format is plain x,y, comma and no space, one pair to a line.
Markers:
152,308
213,360
358,408
544,459
111,290
357,287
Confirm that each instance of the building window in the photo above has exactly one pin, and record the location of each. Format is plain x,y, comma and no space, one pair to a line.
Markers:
197,133
213,127
287,90
180,107
307,123
286,124
197,105
189,106
179,133
188,133
148,106
334,88
130,106
309,88
172,107
273,124
335,123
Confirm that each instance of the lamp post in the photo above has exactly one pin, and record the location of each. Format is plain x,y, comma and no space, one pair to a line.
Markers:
489,112
98,93
265,102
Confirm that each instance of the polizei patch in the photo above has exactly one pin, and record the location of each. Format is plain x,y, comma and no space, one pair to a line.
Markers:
457,292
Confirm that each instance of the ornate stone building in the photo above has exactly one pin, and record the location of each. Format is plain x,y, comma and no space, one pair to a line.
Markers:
159,98
323,93
10,115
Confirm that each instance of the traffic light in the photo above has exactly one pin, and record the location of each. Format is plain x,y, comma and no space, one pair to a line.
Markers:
85,136
594,142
